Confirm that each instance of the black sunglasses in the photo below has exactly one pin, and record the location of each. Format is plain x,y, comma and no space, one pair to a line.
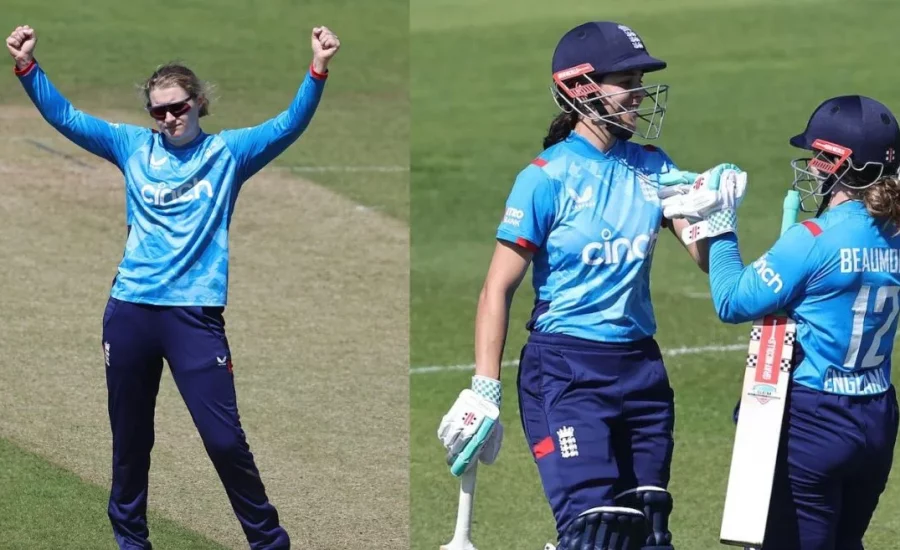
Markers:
177,109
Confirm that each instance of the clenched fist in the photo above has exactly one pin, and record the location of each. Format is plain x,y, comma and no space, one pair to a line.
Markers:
21,45
324,45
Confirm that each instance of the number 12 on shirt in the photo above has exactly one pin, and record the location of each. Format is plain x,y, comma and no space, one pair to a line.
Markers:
766,381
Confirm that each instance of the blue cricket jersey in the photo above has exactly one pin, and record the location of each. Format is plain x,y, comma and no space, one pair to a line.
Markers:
838,277
592,219
179,200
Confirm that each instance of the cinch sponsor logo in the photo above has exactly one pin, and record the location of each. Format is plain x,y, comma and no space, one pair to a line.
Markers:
613,251
513,216
768,275
186,192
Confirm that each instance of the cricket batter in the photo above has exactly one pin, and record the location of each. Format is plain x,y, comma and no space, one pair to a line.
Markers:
595,401
838,277
169,293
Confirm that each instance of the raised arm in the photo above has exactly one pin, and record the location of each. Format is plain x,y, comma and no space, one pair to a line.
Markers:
257,146
106,140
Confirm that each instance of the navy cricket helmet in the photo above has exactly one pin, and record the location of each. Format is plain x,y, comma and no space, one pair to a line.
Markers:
587,53
854,140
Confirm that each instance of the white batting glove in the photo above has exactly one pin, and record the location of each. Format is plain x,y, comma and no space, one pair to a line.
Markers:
459,427
717,223
719,188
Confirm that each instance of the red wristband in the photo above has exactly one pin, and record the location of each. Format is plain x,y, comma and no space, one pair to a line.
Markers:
26,70
316,74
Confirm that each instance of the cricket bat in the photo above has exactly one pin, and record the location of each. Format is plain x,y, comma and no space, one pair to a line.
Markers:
766,380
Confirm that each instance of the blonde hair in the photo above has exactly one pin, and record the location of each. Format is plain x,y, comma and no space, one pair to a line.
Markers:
882,200
177,74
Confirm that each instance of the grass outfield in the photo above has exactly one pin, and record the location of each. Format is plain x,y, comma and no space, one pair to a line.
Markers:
299,310
744,77
256,55
72,512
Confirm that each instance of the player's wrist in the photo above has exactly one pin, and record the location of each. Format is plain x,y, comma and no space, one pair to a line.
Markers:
318,69
488,388
24,65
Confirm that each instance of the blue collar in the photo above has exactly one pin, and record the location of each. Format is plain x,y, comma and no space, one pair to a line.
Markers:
581,146
850,206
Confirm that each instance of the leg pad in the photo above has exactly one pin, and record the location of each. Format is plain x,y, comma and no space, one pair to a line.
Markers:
605,528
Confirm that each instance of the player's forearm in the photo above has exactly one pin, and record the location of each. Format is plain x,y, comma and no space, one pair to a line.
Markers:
700,253
271,138
87,132
699,250
305,102
55,108
292,122
491,325
725,269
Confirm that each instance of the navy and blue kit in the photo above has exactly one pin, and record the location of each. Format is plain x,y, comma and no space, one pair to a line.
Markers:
170,291
838,277
595,400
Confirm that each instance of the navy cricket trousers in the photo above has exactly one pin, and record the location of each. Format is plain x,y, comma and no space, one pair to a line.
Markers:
833,464
599,419
136,339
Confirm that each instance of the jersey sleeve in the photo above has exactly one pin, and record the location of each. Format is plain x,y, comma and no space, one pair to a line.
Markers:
530,209
111,141
255,147
656,161
770,283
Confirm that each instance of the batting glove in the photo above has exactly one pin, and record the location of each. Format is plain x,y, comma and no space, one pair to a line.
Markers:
471,430
719,188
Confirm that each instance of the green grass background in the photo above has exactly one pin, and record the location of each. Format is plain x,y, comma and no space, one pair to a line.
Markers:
53,508
256,54
744,76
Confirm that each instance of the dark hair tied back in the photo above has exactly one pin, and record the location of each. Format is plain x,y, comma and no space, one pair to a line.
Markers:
560,128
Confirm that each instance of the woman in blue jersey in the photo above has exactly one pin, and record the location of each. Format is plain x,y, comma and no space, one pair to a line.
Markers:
595,401
169,294
838,276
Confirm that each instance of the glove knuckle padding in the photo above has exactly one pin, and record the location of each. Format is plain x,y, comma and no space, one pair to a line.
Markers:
605,528
656,504
460,425
491,447
719,188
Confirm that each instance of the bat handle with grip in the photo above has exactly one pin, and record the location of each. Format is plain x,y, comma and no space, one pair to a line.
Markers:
461,535
791,209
